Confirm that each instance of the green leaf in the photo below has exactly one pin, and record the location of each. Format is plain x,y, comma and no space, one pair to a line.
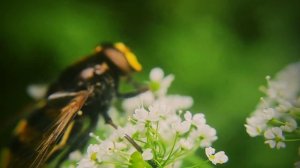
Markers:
136,161
194,160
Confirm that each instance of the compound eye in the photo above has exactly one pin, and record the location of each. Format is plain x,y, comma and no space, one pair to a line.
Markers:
118,59
130,57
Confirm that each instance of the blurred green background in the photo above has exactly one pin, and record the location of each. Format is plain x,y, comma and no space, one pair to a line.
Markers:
219,51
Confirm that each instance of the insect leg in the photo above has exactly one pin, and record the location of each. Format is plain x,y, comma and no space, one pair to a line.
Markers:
131,94
108,120
134,83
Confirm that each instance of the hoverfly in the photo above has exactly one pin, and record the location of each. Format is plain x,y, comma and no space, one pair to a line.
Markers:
84,90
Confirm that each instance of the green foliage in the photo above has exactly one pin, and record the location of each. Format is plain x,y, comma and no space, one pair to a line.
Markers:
194,161
136,161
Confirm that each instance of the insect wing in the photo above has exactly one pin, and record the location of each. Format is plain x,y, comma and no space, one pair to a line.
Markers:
65,117
37,135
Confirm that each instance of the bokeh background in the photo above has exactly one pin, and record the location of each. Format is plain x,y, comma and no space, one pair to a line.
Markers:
220,52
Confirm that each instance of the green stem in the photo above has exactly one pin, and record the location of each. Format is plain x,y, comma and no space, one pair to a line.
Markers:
154,140
156,131
176,155
182,154
171,150
275,121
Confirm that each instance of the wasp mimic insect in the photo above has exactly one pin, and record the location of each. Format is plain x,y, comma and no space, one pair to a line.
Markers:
69,112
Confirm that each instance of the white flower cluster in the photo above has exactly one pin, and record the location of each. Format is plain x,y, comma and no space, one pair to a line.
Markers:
277,115
159,127
157,94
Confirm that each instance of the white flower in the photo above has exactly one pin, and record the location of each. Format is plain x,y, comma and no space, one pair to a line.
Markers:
255,125
153,115
159,109
176,102
274,138
107,147
290,81
172,102
122,131
160,84
147,154
290,125
86,163
272,144
120,145
206,135
89,161
252,130
75,155
285,87
156,74
166,128
186,144
284,105
143,99
157,95
142,115
92,151
276,88
181,127
268,113
188,116
197,120
37,91
140,127
219,157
